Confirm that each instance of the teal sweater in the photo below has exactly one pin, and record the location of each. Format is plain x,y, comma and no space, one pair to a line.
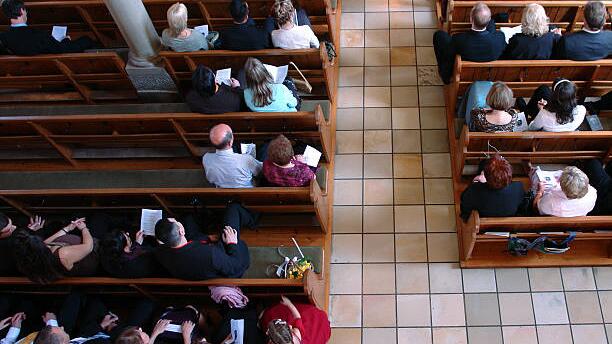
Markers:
282,100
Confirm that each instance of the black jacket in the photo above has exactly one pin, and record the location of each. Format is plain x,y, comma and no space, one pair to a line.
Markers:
227,99
479,46
139,265
8,265
585,46
492,203
24,40
524,47
245,36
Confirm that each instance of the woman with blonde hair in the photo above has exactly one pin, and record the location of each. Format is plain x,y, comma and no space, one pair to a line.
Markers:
290,35
178,36
536,41
262,94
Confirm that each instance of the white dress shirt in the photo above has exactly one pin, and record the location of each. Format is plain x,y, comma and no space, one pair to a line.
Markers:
226,169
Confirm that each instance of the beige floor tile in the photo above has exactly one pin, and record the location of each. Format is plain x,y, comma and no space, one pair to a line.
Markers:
413,310
431,96
376,56
401,20
349,142
379,20
447,310
554,334
376,6
550,308
377,141
348,166
345,310
479,281
379,278
404,96
484,335
516,309
605,298
438,191
345,279
345,336
589,334
412,278
433,117
583,307
414,335
512,280
352,38
377,118
449,335
378,166
440,218
408,191
400,5
347,219
401,37
347,192
377,97
349,119
545,279
352,21
410,248
424,37
437,165
409,219
442,247
425,56
378,248
376,38
425,20
379,311
403,56
378,191
403,76
445,278
350,97
350,76
352,6
481,309
379,335
352,57
378,219
407,166
603,276
578,278
421,5
428,76
435,141
377,76
346,248
405,118
520,335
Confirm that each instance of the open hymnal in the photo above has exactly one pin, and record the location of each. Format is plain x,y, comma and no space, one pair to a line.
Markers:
237,328
278,73
312,156
148,219
224,76
249,148
174,328
549,178
203,29
59,32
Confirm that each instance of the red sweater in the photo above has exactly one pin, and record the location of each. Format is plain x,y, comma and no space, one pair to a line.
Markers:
314,325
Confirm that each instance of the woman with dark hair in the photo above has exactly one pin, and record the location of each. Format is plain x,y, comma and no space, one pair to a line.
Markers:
283,168
493,193
557,109
262,94
289,323
206,96
122,257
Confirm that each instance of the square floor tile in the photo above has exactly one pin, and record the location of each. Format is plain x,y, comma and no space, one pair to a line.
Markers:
377,141
484,335
509,280
401,20
605,298
589,334
435,141
550,308
352,38
347,219
426,56
442,247
405,118
609,332
408,191
345,310
379,335
520,335
378,191
429,76
422,5
376,38
412,278
433,117
403,75
516,309
379,311
424,37
414,335
379,278
350,97
554,334
400,5
353,6
352,57
445,278
377,76
352,21
407,166
378,20
350,76
376,6
440,218
578,278
348,166
376,56
345,279
447,310
345,335
438,191
410,248
348,142
481,309
346,248
603,277
378,248
545,279
583,307
377,97
349,119
406,141
409,219
378,166
404,96
403,56
413,310
378,219
437,165
377,118
449,335
402,37
425,20
347,192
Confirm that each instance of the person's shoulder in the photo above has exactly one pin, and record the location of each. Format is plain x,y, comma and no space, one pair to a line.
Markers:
579,110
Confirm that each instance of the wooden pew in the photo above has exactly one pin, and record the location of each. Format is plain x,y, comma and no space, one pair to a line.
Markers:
65,78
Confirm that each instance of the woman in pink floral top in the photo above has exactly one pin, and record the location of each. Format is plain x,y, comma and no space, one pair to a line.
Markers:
283,168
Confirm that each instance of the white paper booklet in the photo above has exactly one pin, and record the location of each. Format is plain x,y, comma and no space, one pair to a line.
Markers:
174,328
223,76
511,31
237,328
549,178
59,32
148,219
203,29
278,73
249,148
312,156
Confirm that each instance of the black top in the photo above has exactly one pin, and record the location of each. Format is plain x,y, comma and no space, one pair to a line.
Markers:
585,46
480,46
199,260
24,40
245,36
524,47
491,203
139,263
227,99
8,265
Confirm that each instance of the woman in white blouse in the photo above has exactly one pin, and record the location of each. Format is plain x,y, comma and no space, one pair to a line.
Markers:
560,112
290,35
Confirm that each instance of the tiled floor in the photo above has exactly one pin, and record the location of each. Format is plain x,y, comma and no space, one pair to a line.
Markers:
394,275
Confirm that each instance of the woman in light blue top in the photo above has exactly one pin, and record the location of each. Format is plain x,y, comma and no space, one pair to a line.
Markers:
262,94
178,36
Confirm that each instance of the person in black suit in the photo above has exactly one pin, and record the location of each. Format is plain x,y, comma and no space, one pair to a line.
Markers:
481,44
600,178
592,43
23,40
536,41
244,34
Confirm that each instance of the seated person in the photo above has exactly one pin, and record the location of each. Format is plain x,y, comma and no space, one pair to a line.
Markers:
593,42
262,94
178,36
13,332
244,34
601,179
570,196
493,193
62,254
500,117
8,264
289,323
555,110
206,96
604,103
23,40
226,169
283,168
481,44
290,35
536,41
135,335
188,254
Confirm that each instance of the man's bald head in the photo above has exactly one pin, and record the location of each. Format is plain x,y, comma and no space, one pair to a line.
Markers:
480,16
221,136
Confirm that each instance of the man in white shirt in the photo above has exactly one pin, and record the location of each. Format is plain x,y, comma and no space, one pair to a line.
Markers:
226,169
571,196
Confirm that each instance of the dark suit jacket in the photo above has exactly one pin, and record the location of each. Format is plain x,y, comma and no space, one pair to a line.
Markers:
585,46
524,47
479,46
245,36
24,40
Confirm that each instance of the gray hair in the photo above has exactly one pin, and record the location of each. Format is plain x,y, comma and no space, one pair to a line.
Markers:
177,18
534,21
595,14
574,183
480,15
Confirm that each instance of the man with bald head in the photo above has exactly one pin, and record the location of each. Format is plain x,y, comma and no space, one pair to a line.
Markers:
226,169
482,43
